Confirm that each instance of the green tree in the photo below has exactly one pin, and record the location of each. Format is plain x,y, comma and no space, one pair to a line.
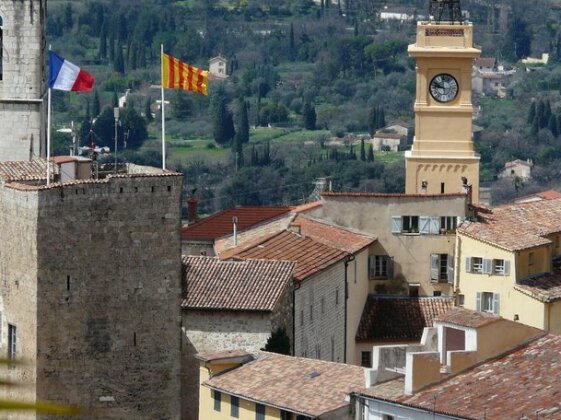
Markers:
370,156
310,116
278,342
96,104
133,126
242,121
119,62
222,122
362,150
148,110
103,41
68,22
181,104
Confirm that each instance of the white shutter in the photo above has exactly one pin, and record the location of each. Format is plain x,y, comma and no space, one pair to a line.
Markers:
496,304
487,266
478,301
450,272
507,267
434,266
424,224
396,224
435,225
468,264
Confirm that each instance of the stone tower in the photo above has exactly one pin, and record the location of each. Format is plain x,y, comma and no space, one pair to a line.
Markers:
90,287
21,78
442,157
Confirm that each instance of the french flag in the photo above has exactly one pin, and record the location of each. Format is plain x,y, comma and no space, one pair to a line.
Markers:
63,75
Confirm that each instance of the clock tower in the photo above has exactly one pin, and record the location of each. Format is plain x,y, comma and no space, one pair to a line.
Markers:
442,159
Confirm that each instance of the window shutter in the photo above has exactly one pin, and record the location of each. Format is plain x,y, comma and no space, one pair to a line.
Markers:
487,266
450,269
371,266
424,224
478,301
468,264
390,267
507,267
496,304
435,225
396,224
434,266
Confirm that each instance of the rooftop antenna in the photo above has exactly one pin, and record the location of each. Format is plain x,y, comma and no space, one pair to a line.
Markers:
449,11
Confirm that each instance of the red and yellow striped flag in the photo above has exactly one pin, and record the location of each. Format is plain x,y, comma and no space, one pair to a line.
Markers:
179,75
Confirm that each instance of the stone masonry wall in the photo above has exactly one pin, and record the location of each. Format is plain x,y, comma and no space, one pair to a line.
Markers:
21,87
109,286
320,315
18,287
211,331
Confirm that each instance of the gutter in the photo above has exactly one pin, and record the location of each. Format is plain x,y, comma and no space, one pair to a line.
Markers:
349,258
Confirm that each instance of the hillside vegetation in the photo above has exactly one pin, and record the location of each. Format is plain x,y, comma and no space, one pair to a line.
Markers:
301,74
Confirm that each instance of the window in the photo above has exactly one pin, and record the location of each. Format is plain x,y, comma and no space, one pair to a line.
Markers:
437,293
12,341
499,266
487,302
380,266
448,224
442,188
388,417
461,300
414,290
234,407
366,359
285,415
477,265
410,224
216,395
259,412
442,268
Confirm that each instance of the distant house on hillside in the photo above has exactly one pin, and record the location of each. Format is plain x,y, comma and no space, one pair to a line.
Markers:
402,14
218,67
518,168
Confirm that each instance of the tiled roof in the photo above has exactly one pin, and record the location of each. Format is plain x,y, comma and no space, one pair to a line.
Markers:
305,386
220,224
388,195
24,170
466,318
225,354
516,226
302,208
399,318
310,256
518,162
382,135
545,288
523,384
549,194
251,285
332,235
485,61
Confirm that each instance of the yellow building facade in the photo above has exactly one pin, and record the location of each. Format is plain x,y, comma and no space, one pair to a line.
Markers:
442,153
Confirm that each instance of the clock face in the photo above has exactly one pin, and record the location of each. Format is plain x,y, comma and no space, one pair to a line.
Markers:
443,87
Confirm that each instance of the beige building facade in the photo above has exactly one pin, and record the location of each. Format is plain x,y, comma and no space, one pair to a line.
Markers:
442,158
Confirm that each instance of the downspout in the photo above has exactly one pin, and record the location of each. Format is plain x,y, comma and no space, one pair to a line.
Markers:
296,286
347,261
458,259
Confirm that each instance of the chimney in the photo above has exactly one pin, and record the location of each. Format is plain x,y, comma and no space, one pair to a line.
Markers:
192,209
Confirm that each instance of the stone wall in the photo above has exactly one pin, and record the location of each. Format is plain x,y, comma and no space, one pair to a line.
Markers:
21,87
212,331
108,286
18,287
320,315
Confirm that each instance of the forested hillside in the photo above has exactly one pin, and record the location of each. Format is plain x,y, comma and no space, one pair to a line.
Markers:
306,79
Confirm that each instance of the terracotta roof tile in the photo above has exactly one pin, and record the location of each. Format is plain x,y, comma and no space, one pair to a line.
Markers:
516,226
549,194
310,256
545,288
399,318
522,384
388,195
302,208
332,235
25,170
250,285
305,386
220,224
225,354
467,318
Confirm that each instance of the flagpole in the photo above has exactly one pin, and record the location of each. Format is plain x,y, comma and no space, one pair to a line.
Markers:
49,133
163,109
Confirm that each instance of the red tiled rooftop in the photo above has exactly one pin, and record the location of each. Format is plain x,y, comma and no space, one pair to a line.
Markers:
250,285
466,318
545,288
549,194
305,386
388,195
523,384
516,226
302,208
332,235
310,256
220,224
25,170
399,318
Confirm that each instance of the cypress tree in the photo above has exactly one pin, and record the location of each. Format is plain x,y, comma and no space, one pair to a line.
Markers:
103,41
532,112
310,116
370,156
119,62
552,125
362,151
147,110
96,105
